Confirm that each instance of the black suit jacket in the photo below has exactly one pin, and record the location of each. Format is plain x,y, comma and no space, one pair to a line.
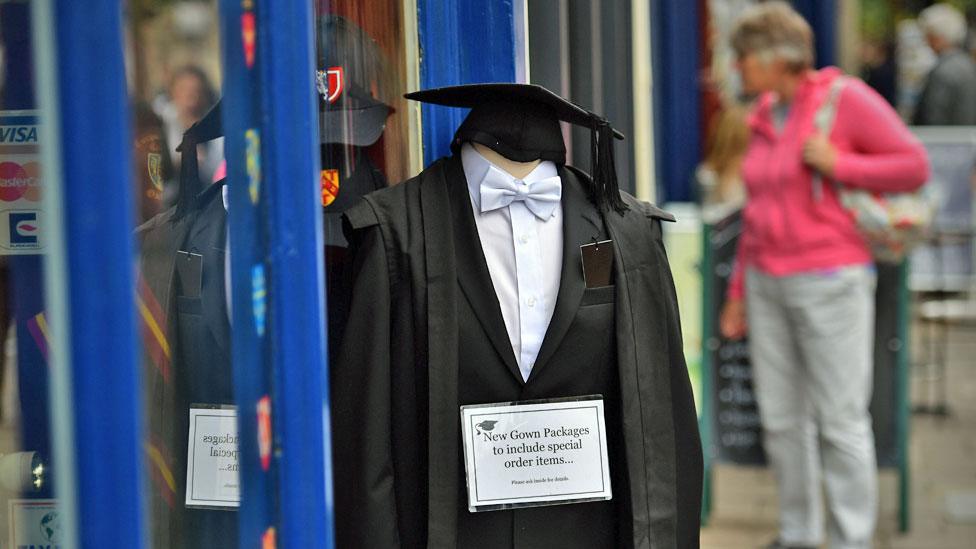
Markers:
187,361
577,358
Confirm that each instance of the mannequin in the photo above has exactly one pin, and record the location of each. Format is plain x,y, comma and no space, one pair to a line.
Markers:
516,169
449,273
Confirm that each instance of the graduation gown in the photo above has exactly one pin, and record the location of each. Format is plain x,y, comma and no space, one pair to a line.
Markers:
186,337
396,385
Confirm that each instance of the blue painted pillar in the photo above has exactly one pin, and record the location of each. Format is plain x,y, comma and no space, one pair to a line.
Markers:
677,96
822,15
461,42
296,280
241,117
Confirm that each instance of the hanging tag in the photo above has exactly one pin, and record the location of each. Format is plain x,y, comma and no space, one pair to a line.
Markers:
597,260
189,266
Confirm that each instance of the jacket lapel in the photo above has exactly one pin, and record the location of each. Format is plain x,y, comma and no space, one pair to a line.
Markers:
472,268
201,219
581,224
437,280
207,237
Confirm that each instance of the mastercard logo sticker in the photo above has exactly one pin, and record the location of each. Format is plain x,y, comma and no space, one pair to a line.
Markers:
19,181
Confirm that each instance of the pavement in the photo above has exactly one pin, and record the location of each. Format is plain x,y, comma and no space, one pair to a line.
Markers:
942,453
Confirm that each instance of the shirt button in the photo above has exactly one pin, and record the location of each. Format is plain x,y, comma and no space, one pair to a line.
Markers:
524,239
530,302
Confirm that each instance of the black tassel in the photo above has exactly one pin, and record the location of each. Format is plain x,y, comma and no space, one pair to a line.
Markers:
190,184
208,128
606,193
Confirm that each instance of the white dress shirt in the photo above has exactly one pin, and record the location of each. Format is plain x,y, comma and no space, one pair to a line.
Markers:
524,256
227,289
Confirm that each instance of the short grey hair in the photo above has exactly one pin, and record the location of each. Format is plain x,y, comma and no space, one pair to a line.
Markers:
944,21
774,30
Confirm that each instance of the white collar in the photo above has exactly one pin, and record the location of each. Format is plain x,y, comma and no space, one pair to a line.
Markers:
476,168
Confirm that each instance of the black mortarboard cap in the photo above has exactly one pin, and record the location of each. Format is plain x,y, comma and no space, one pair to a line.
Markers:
521,123
206,129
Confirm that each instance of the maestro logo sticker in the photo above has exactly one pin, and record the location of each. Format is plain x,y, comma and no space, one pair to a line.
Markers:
23,230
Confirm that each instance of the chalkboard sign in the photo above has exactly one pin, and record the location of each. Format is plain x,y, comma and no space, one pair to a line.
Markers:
735,431
948,261
735,418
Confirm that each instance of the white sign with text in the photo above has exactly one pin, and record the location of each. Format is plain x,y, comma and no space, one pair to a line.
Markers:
538,453
212,478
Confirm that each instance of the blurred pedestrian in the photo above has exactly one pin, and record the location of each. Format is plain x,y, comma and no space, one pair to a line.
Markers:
189,96
719,177
880,70
949,95
804,275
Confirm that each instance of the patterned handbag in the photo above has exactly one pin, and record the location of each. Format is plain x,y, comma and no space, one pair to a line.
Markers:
892,223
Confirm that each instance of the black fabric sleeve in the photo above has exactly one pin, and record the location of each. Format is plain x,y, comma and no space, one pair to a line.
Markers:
365,503
687,440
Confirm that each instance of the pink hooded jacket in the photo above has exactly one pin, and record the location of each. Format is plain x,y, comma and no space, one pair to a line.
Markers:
787,228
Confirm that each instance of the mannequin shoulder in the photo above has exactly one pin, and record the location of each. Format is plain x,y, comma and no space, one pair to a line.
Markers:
383,206
646,208
155,223
633,204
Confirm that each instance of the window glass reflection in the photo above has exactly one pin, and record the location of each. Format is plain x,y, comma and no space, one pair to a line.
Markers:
182,292
361,76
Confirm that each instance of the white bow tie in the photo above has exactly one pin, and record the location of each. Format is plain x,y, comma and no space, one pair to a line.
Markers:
499,189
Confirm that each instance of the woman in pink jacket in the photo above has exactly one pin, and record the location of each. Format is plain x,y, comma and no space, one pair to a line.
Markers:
804,279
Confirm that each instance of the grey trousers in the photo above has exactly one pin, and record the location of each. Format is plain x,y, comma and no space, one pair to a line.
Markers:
812,341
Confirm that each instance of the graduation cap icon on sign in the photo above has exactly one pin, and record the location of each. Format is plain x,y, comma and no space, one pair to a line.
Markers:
486,425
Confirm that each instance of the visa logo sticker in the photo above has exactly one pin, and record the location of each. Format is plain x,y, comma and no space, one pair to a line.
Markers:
19,127
18,135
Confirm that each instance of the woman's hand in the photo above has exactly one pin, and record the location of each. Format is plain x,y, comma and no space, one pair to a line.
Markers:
732,322
820,154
